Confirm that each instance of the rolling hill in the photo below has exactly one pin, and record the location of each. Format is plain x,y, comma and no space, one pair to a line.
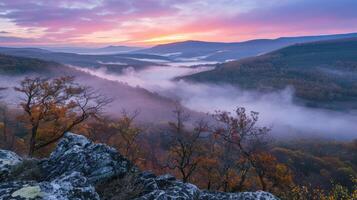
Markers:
218,51
323,74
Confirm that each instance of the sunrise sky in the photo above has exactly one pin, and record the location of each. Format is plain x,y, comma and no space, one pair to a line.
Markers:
150,22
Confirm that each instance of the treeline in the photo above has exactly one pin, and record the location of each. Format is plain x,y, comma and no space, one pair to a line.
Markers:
230,152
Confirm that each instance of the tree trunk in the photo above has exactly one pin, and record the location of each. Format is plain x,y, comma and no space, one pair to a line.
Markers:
225,183
262,182
241,181
209,185
33,141
184,176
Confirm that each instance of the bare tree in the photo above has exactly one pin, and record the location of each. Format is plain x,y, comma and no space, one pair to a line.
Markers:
186,150
55,106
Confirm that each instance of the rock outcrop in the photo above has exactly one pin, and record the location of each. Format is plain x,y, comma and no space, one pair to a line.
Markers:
75,153
77,165
65,187
8,160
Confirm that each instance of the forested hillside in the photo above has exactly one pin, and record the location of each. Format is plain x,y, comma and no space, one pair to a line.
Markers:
323,74
12,65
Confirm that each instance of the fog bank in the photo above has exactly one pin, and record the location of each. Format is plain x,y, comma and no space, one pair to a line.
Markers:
276,109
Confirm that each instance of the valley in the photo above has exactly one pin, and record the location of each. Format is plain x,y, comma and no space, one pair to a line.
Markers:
178,100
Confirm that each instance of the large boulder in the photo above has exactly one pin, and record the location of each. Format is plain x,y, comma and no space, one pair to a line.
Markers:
166,187
8,160
66,187
75,153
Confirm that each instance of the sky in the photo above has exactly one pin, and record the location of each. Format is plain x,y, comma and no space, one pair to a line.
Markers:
95,23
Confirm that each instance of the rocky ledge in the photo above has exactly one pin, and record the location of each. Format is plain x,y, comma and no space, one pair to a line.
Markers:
80,169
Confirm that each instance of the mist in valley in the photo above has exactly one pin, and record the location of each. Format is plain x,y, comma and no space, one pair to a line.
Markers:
155,90
277,109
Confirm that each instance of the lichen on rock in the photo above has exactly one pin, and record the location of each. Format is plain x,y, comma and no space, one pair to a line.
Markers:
30,192
66,187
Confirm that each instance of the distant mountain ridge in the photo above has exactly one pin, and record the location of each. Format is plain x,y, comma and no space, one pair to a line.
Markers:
113,62
112,49
220,51
323,73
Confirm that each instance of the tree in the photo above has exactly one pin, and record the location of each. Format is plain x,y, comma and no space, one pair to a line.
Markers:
243,138
185,153
208,175
53,107
7,138
119,132
127,135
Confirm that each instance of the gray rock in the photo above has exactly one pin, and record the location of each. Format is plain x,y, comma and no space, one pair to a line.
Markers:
166,187
75,153
8,160
174,190
66,187
260,195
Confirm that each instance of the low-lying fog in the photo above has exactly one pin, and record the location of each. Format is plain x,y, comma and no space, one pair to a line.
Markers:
277,109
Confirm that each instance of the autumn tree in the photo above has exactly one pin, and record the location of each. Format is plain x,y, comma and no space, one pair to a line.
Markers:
119,132
53,107
208,175
185,152
99,130
127,135
233,168
246,140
